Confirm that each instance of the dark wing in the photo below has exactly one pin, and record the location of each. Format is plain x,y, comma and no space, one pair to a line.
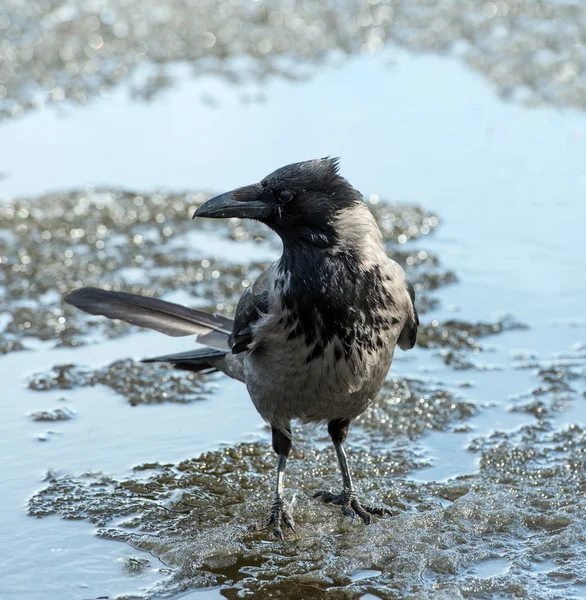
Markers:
249,308
408,335
143,311
202,359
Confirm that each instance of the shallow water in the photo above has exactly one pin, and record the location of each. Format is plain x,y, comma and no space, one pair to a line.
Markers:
477,443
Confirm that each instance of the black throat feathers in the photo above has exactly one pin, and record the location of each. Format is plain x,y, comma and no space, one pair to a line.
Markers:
329,297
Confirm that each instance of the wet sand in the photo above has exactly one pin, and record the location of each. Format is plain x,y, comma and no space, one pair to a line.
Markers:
144,481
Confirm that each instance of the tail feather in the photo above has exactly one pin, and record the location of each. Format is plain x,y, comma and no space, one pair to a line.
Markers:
166,317
204,359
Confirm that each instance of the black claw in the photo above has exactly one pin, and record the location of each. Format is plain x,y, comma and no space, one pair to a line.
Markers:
351,506
361,512
280,515
379,511
326,497
289,521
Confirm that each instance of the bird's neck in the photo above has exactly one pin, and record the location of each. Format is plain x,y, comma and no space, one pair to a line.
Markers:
352,244
303,256
360,235
339,292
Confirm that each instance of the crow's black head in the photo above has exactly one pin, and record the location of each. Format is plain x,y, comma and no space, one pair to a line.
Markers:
298,201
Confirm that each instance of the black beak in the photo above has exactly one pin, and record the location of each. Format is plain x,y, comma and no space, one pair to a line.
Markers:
226,205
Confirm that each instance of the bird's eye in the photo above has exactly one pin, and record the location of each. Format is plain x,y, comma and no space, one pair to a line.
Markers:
285,195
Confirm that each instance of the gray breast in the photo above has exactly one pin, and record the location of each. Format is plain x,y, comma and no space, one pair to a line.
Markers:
316,375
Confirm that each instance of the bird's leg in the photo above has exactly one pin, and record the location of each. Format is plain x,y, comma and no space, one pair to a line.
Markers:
338,430
280,514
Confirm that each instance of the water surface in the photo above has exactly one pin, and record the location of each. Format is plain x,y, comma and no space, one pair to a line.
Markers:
481,445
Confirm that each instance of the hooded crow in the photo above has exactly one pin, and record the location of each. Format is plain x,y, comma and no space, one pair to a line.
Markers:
313,338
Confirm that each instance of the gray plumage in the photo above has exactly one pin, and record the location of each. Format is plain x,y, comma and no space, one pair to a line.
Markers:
313,338
285,376
166,317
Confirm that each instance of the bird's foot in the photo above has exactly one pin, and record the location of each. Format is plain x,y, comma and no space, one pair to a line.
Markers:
351,506
280,517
